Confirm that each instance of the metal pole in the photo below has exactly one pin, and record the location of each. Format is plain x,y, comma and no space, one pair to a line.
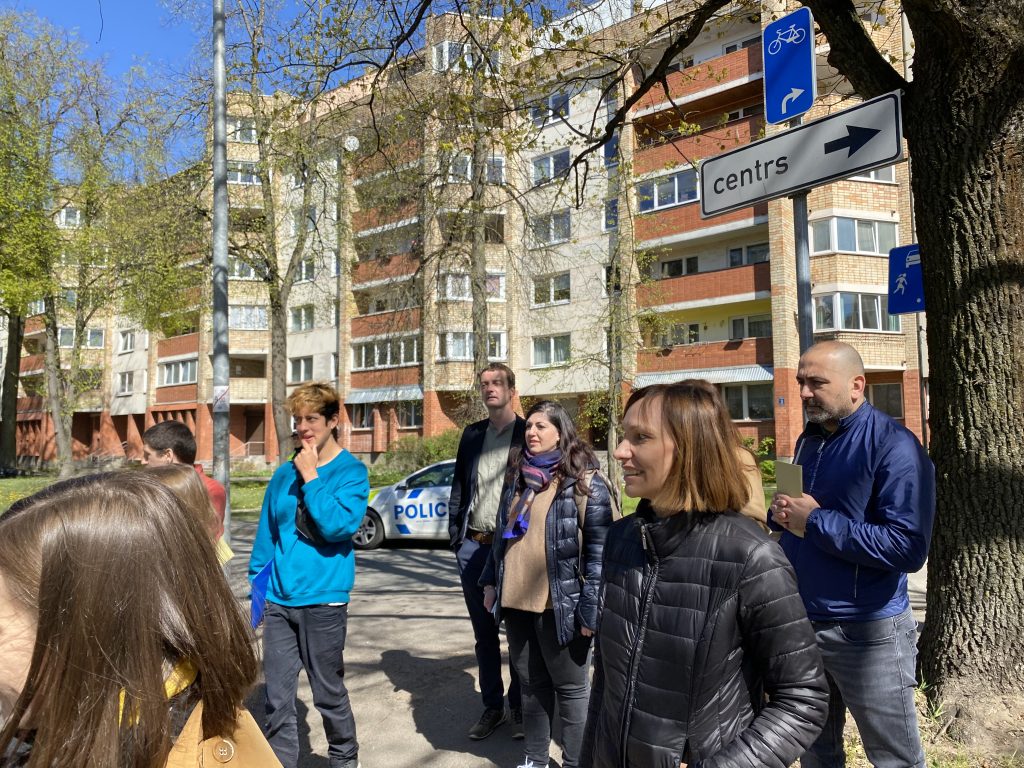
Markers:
920,375
803,272
221,399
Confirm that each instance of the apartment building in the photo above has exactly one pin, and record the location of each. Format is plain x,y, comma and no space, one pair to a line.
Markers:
575,273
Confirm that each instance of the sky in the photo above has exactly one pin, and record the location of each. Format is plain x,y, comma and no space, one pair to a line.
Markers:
124,32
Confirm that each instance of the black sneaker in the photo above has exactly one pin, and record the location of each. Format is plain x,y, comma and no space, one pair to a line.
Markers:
488,723
517,723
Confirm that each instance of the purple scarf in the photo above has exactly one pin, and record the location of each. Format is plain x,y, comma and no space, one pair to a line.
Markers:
535,472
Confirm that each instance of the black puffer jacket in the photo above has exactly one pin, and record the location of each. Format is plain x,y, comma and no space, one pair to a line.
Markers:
705,655
574,577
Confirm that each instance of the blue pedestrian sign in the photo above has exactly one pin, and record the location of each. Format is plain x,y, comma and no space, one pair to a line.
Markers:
906,286
790,79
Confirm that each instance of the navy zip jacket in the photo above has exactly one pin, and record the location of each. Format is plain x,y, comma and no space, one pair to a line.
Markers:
876,489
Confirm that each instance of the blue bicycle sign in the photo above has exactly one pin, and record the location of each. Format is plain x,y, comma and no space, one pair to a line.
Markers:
790,35
790,73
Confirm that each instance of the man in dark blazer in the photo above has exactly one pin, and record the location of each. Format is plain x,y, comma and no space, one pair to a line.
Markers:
473,509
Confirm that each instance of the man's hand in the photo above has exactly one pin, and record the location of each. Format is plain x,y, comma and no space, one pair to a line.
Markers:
586,632
306,460
791,512
490,595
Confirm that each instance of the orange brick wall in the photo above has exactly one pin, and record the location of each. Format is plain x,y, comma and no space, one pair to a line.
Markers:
181,393
686,218
710,74
717,354
178,345
706,285
392,377
386,323
380,269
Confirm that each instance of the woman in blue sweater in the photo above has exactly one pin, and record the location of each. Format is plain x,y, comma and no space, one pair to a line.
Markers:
312,507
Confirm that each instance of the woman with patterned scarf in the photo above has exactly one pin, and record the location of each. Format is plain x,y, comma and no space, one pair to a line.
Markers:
544,575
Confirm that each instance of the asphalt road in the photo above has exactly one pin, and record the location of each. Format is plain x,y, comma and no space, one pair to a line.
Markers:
409,663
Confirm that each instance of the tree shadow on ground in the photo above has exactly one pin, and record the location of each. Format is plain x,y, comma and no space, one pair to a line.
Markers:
255,702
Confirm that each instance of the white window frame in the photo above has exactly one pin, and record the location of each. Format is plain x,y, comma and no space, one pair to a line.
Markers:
553,107
91,341
739,45
497,345
552,344
409,414
449,339
455,286
35,307
745,319
552,289
551,167
751,110
247,317
745,388
833,301
240,270
69,217
744,252
126,341
361,416
878,175
303,366
302,318
495,279
178,372
311,217
372,354
680,334
241,129
305,270
65,338
832,222
652,195
447,55
125,383
243,173
551,228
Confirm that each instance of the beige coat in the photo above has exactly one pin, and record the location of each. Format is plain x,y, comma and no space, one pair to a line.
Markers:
245,748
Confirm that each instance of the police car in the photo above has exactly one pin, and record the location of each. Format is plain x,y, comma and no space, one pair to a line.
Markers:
413,508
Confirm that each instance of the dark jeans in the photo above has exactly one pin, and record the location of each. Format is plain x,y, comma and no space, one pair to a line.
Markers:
472,557
870,669
310,637
546,669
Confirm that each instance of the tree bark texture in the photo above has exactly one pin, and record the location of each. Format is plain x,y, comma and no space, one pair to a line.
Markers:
9,404
55,394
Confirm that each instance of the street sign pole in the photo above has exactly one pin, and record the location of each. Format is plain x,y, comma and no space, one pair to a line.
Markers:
801,227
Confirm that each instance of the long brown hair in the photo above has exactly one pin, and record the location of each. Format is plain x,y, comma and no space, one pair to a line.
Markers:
123,582
706,473
184,481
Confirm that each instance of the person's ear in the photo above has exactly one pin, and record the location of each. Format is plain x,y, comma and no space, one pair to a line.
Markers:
857,386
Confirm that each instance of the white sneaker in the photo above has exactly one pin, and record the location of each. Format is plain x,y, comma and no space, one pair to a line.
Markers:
530,764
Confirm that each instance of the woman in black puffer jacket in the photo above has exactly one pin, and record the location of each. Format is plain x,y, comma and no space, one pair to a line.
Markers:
544,574
705,656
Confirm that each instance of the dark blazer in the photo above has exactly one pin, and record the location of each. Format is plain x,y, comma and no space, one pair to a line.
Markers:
464,482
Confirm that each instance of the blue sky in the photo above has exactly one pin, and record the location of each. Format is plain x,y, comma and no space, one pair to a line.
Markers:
124,32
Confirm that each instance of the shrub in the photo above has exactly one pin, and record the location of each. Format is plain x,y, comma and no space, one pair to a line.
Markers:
411,453
765,455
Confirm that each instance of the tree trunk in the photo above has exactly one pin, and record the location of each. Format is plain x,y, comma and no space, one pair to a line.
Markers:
9,404
279,371
478,223
55,395
965,128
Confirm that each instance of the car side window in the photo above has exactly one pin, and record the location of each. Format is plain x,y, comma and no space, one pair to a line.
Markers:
448,476
426,479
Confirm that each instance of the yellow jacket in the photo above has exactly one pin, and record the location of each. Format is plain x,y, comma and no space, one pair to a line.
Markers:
245,748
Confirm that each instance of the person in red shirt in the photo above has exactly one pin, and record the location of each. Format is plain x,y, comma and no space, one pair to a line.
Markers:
171,442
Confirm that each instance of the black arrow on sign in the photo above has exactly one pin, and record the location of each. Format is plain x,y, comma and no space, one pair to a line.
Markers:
856,138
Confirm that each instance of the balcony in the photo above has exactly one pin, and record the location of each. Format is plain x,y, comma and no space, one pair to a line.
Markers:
708,79
32,364
686,218
722,283
712,354
715,139
178,345
384,268
384,323
382,216
386,377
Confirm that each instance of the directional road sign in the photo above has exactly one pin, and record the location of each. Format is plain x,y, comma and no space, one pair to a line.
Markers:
906,286
790,79
861,138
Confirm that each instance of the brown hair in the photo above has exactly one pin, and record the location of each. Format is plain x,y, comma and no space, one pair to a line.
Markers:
577,456
122,582
174,436
184,481
706,474
314,396
510,376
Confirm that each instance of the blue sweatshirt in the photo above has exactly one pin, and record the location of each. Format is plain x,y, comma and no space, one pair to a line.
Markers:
305,574
876,487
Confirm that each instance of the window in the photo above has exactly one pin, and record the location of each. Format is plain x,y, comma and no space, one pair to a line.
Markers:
853,236
754,326
611,151
386,353
749,402
240,172
680,333
550,228
455,345
410,413
888,398
448,54
879,174
361,415
612,281
66,337
301,369
36,307
305,270
334,366
457,227
550,350
94,338
125,382
242,129
554,106
854,312
458,169
497,345
552,289
240,270
456,287
126,341
753,110
178,372
247,317
310,219
69,217
750,254
748,43
550,167
302,318
666,191
495,287
611,215
496,170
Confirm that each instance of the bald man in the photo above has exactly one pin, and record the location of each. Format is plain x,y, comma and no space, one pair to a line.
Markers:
863,523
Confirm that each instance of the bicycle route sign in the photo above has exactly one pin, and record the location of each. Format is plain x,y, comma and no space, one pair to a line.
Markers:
861,138
790,76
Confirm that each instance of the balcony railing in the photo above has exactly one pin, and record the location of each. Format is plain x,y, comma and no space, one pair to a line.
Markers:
712,354
735,281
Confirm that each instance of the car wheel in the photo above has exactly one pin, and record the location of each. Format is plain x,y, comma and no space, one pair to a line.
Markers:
371,532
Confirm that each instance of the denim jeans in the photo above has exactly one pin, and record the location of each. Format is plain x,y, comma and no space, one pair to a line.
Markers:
547,669
472,556
312,637
870,670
